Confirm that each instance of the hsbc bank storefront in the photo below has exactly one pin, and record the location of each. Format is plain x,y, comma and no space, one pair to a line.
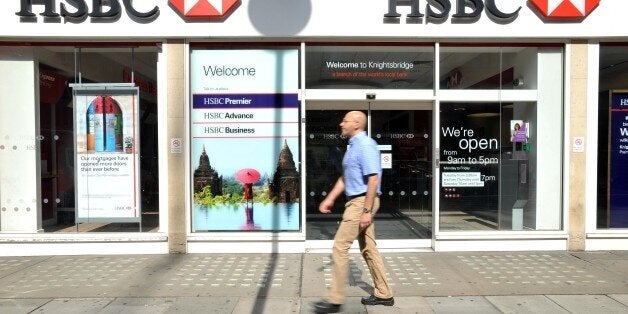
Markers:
175,126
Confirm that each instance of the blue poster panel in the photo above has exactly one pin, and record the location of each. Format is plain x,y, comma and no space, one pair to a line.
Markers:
245,140
618,168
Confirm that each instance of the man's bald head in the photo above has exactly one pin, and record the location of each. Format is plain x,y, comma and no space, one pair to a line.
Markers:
360,117
353,123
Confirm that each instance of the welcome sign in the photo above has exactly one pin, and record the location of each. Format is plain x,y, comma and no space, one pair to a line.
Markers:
245,139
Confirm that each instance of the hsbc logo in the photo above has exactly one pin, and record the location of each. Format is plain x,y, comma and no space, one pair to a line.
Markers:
204,8
471,10
565,9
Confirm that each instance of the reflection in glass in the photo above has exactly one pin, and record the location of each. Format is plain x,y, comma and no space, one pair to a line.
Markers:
488,67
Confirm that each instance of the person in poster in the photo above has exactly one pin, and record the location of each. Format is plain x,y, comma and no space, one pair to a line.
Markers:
518,132
361,184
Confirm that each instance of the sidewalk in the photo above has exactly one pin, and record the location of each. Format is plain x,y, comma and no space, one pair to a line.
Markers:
459,282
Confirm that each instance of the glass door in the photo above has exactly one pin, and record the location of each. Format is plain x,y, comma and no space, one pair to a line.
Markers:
403,132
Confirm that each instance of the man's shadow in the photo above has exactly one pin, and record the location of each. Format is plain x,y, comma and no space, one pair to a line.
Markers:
355,275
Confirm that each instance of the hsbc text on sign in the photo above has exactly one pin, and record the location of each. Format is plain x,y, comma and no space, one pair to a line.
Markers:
439,9
78,9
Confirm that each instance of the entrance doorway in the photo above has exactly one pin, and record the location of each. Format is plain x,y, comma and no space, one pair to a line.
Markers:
403,133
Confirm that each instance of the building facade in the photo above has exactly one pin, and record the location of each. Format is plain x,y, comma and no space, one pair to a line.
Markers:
502,125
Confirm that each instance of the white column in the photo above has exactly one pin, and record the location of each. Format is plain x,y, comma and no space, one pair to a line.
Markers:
19,145
549,158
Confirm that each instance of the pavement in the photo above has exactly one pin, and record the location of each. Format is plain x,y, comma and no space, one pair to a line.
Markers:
425,282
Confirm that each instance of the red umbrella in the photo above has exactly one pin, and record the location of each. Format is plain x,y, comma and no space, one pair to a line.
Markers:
247,175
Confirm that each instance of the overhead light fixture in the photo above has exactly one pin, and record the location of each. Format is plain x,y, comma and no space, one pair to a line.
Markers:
483,115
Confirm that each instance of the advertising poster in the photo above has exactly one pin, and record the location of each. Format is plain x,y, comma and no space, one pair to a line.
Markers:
107,154
245,140
618,167
518,131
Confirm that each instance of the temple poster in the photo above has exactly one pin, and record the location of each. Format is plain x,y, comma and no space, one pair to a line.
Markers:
245,140
107,154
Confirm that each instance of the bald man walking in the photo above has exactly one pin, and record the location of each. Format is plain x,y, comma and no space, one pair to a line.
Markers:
360,182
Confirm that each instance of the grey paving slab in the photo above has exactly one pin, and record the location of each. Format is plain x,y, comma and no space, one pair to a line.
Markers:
613,261
81,276
423,274
621,298
406,305
71,306
171,305
589,303
512,273
267,305
461,304
10,265
245,275
538,304
20,306
352,305
157,276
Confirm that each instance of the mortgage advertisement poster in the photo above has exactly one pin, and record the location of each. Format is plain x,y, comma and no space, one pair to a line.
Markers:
245,139
107,155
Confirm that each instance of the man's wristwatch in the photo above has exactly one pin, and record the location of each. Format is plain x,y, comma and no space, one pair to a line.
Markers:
366,210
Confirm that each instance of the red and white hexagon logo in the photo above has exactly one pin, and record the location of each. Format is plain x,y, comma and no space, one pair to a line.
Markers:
204,8
565,9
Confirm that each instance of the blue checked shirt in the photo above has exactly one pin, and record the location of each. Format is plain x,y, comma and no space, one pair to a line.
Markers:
361,160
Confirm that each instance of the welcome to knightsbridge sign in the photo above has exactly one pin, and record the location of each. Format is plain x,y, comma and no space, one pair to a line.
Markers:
108,10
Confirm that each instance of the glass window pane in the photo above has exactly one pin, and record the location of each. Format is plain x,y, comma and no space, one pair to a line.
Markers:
59,66
612,195
471,154
387,67
488,67
490,168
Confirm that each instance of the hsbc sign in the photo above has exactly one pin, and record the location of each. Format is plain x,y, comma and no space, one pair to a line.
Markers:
565,9
470,11
77,10
473,9
203,8
110,10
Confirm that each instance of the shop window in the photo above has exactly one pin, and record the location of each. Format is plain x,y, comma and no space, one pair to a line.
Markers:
49,145
359,67
612,193
463,67
501,161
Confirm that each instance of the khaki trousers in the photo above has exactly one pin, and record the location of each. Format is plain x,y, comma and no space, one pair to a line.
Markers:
348,231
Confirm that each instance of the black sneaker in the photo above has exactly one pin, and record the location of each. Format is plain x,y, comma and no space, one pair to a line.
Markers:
326,307
373,300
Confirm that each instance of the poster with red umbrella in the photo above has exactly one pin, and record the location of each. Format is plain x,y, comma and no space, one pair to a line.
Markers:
248,175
